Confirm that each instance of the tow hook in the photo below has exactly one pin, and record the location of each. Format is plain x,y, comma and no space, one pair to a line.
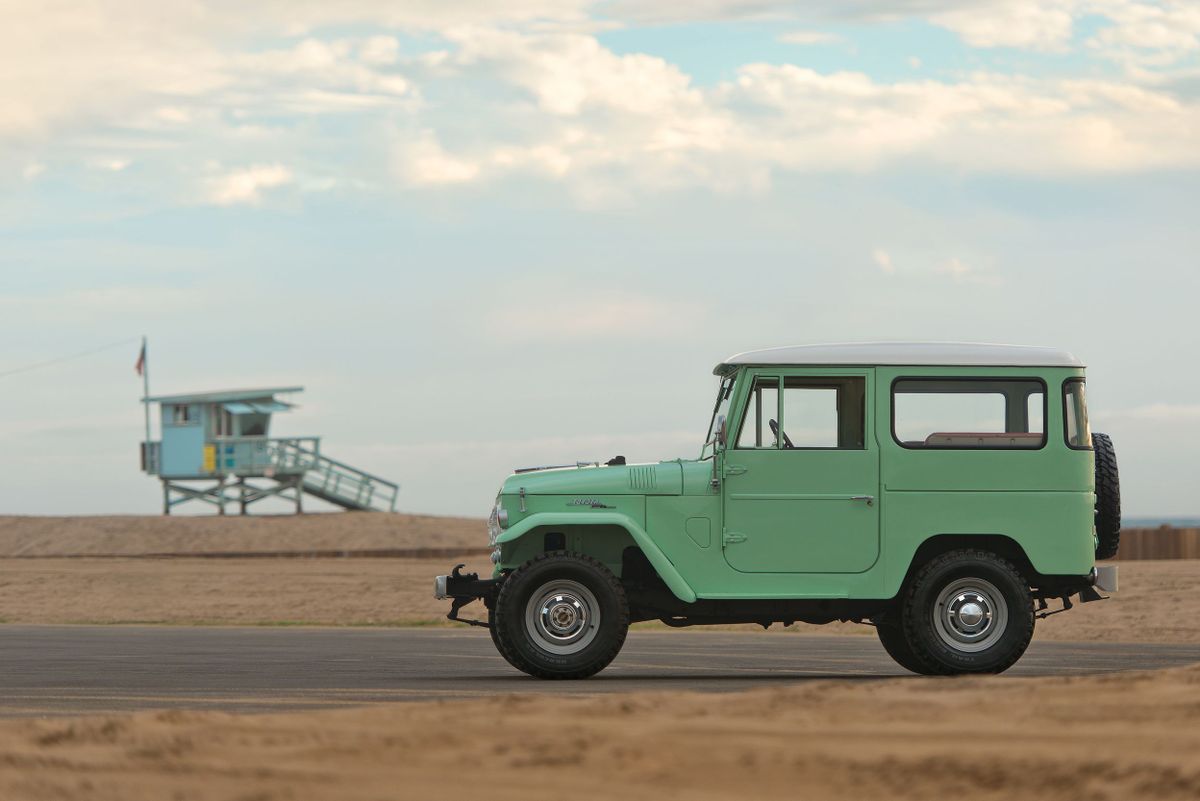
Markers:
463,588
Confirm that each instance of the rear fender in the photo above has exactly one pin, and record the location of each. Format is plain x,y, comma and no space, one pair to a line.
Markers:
670,576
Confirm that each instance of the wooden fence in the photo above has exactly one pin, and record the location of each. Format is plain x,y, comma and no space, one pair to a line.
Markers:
1164,542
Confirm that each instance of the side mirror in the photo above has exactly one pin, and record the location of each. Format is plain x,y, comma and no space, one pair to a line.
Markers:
718,440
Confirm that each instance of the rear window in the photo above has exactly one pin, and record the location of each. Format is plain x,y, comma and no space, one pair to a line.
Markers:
965,413
1078,432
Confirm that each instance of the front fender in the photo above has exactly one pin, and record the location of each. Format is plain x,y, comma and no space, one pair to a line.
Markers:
660,562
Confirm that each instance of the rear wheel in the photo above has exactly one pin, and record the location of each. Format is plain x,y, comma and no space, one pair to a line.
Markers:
560,616
967,612
891,636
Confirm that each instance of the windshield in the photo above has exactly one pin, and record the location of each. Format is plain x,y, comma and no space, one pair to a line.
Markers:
720,409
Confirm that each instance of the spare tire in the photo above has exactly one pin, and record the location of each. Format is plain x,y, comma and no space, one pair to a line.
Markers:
1108,498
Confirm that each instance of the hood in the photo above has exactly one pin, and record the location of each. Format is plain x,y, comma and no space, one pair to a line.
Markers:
663,478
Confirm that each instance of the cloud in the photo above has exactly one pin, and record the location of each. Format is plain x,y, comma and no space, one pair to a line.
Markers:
246,184
110,163
32,170
961,272
883,260
608,123
529,90
809,38
919,266
604,316
986,122
1028,24
380,50
319,76
1144,36
122,303
669,11
423,162
569,74
955,267
1166,28
72,64
1158,412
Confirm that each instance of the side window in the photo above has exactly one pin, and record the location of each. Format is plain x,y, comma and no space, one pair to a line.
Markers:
969,413
1075,417
824,412
762,407
1034,409
815,413
181,414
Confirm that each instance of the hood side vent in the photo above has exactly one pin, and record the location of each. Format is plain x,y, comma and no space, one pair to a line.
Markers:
643,478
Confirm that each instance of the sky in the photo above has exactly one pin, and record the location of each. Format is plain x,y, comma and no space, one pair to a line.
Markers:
488,235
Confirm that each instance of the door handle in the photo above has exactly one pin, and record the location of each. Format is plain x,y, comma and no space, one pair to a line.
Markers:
870,499
734,470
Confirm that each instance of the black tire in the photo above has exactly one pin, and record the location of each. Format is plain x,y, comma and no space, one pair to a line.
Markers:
891,636
1108,498
583,620
967,611
509,658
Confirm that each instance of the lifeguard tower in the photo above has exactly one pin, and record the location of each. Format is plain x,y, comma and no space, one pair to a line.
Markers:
214,443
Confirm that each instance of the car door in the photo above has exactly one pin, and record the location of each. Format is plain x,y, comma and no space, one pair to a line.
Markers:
801,476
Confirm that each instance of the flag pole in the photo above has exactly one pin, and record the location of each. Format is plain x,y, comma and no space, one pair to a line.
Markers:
146,389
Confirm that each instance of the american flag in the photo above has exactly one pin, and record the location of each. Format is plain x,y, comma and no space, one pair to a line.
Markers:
140,367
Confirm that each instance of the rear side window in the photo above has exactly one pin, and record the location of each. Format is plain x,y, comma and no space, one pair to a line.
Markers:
959,413
1075,417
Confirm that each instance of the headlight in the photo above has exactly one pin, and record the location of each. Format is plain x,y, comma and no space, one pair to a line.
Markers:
497,520
493,527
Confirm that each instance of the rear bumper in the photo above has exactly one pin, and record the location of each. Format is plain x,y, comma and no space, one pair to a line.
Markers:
462,585
1104,577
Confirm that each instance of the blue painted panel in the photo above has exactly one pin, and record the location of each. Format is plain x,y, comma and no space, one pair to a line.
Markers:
183,451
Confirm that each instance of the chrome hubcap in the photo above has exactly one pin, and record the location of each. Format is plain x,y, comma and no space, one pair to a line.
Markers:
562,617
970,615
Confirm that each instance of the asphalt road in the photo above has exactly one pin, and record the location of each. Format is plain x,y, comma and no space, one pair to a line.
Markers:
58,670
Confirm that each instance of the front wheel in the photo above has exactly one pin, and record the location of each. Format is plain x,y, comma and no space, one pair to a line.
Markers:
561,616
493,630
967,612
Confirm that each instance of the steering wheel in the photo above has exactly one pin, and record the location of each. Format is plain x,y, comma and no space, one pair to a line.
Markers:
787,442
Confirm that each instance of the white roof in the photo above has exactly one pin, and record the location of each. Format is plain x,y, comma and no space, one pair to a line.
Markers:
965,354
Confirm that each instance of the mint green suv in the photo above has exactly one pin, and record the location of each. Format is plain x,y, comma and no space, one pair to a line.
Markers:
943,493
